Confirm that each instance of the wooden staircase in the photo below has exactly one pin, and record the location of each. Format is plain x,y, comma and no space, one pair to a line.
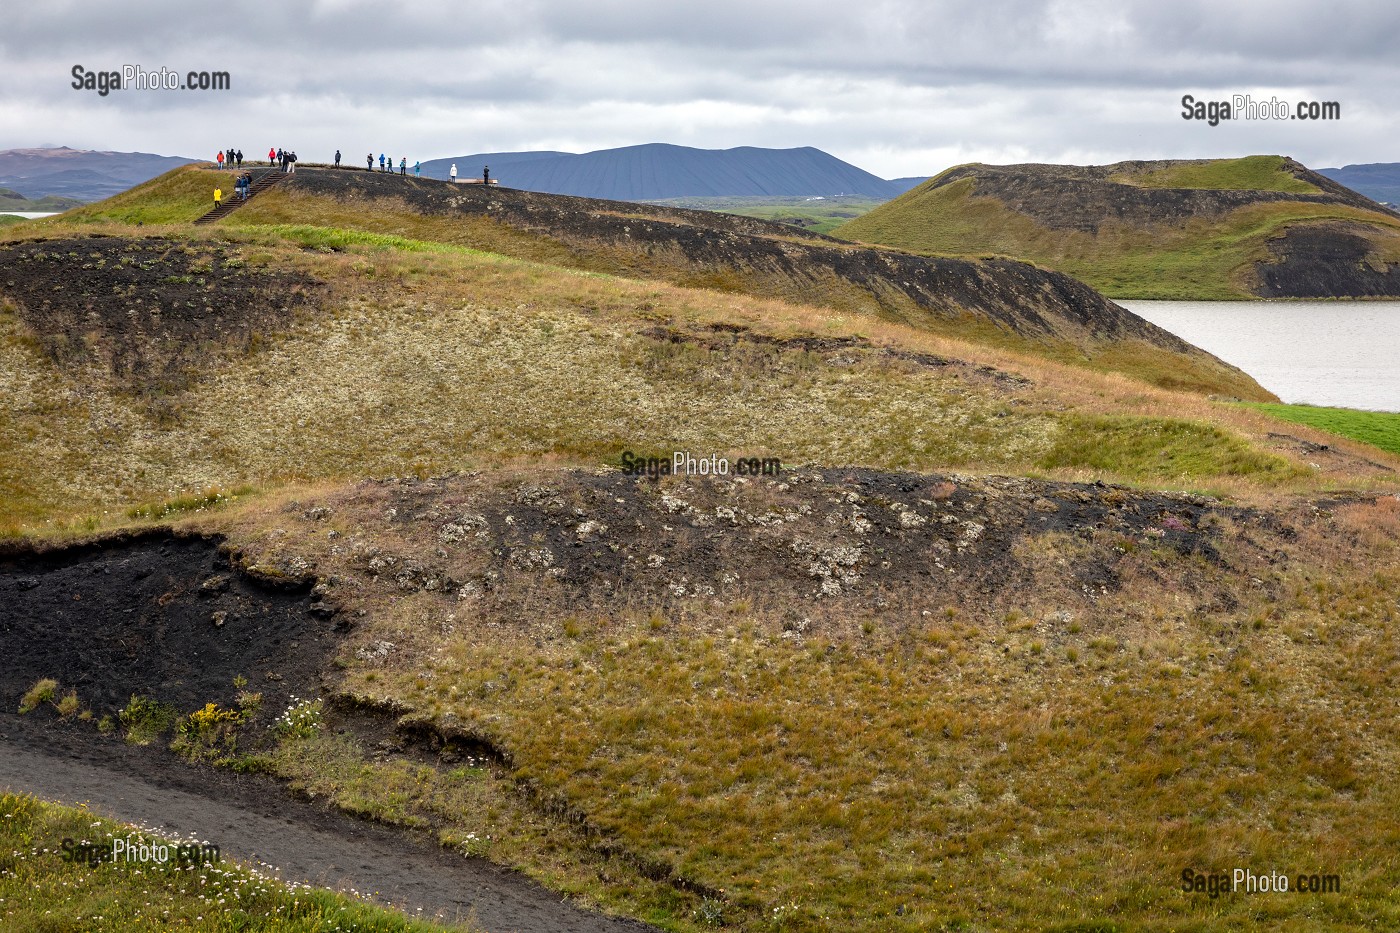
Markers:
262,180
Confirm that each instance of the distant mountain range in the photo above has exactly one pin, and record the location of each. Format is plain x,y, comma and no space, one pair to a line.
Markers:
1379,181
11,200
910,182
658,171
82,175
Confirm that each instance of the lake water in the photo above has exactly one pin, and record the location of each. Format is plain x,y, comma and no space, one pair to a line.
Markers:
1343,353
29,214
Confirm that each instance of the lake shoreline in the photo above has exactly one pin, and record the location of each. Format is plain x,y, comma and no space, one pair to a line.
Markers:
1331,353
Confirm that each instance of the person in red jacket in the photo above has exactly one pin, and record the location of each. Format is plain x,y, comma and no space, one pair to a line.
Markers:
220,159
271,156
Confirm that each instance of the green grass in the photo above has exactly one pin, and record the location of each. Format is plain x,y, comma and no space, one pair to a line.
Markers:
194,502
1378,428
10,220
177,197
42,692
1251,173
1140,448
813,216
42,893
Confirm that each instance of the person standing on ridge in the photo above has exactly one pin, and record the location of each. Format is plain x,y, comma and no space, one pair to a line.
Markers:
337,158
292,162
369,162
219,158
271,155
453,173
403,165
486,174
417,169
381,161
239,156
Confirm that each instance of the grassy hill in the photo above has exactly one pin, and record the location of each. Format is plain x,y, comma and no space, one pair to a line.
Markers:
1021,630
1009,304
14,201
1262,226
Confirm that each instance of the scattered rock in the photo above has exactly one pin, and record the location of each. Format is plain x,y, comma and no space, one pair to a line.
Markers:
214,585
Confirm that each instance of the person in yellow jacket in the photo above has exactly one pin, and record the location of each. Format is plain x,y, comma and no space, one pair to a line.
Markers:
218,196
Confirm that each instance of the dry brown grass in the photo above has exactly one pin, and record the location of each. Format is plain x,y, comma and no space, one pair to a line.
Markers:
1018,756
431,360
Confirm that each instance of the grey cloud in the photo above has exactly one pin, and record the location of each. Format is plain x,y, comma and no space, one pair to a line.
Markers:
899,82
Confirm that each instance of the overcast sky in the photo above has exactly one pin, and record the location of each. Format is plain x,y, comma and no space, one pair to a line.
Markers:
898,87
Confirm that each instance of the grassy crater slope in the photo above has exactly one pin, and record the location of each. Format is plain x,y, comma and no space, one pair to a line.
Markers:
139,369
1261,226
872,701
1003,302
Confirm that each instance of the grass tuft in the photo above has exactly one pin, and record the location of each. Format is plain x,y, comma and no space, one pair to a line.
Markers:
43,691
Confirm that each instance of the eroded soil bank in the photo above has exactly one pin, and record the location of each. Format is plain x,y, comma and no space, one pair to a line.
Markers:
168,617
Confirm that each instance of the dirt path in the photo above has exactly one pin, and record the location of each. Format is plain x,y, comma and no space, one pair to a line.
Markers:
252,819
164,615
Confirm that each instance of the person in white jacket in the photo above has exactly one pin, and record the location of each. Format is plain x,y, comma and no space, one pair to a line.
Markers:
453,172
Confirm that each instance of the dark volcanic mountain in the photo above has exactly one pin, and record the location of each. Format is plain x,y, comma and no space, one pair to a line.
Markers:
657,171
1379,181
909,182
83,175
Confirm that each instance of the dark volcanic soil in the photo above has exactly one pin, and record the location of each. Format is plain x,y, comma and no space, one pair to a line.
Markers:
1325,260
138,615
153,307
704,247
159,615
845,541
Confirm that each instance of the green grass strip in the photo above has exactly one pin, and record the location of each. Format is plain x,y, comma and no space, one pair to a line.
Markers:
1378,428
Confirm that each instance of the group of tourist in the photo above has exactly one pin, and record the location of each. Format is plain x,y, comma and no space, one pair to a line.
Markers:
286,158
386,164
